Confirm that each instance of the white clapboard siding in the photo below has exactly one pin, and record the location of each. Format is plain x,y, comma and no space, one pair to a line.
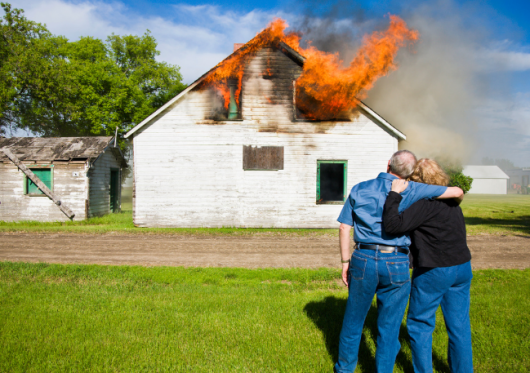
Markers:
188,169
70,189
99,184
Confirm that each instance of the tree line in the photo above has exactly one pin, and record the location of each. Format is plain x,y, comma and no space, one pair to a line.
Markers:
55,87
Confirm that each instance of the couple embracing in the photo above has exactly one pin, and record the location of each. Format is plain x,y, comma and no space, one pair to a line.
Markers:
386,213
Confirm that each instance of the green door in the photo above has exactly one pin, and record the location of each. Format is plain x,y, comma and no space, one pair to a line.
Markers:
114,190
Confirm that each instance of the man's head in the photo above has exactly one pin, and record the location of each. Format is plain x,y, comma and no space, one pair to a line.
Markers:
402,164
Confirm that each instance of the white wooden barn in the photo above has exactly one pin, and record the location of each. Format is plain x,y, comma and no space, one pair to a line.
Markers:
264,167
83,173
487,179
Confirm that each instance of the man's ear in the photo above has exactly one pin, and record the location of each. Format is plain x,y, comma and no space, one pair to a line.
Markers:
388,166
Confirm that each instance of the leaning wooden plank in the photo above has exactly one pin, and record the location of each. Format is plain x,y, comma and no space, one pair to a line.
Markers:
39,183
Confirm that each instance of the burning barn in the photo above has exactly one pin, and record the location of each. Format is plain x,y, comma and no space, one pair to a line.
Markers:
61,178
265,138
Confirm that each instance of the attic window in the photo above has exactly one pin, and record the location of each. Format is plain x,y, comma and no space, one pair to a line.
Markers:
331,182
233,108
262,158
300,115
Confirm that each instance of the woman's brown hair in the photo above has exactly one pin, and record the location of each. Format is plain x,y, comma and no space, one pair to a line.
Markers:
428,171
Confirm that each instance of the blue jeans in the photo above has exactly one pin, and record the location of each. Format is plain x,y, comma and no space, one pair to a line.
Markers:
448,287
386,275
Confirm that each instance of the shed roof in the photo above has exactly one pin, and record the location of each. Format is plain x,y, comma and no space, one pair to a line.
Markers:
484,172
48,149
296,57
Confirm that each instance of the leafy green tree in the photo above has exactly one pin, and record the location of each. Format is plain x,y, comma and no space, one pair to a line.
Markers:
89,87
25,48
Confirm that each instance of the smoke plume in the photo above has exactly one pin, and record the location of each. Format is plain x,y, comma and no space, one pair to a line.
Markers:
433,95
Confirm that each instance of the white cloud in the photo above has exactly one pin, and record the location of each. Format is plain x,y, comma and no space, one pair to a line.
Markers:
194,37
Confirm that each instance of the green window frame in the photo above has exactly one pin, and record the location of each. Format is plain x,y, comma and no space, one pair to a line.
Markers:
323,171
45,174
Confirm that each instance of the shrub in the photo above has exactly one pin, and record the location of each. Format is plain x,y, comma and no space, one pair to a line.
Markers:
453,168
460,180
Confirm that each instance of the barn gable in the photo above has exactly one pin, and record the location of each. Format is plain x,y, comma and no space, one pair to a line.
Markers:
268,84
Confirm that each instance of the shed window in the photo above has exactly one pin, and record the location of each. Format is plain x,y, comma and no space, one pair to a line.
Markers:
331,181
262,158
45,175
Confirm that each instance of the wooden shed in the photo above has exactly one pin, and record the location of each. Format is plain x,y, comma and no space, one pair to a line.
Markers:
258,163
81,177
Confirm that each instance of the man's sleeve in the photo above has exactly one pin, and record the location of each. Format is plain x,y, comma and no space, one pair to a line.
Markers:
428,191
346,215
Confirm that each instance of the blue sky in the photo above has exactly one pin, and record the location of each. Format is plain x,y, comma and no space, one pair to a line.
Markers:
465,89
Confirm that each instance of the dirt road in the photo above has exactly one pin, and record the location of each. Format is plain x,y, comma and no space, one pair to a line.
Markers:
254,252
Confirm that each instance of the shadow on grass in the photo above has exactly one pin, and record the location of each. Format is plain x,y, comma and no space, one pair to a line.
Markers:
327,316
521,223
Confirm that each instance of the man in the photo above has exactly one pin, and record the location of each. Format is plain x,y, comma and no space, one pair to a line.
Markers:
379,264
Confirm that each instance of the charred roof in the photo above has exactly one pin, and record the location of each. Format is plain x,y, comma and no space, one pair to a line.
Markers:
48,149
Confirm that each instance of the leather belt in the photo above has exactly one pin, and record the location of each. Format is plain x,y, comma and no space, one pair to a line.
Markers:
382,248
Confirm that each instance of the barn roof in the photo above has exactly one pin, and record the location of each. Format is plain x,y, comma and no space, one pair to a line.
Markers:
48,149
484,172
289,52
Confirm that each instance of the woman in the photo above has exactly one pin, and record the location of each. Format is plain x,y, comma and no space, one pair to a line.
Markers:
442,269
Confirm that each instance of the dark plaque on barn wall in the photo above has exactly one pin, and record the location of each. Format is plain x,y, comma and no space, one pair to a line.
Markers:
262,157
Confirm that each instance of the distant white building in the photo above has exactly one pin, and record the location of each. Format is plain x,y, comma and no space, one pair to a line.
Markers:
487,179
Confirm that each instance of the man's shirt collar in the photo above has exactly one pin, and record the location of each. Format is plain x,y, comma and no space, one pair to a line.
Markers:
387,176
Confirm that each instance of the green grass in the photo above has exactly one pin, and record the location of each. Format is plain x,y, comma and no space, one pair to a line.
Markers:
77,318
485,214
497,214
123,223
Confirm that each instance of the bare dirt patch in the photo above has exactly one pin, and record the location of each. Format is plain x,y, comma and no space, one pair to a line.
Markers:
250,252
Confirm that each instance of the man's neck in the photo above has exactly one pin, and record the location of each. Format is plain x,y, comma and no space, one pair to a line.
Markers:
399,177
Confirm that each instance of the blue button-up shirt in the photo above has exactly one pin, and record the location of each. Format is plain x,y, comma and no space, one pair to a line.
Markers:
363,209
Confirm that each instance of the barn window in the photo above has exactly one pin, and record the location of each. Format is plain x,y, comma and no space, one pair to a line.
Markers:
45,175
263,158
331,181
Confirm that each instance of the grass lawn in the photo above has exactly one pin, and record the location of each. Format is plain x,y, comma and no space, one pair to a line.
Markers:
497,214
78,318
485,214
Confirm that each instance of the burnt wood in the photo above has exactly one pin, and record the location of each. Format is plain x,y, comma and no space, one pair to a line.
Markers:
262,158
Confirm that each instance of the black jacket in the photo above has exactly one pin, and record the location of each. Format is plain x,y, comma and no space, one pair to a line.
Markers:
438,230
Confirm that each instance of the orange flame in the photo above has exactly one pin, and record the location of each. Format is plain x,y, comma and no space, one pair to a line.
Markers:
233,67
325,89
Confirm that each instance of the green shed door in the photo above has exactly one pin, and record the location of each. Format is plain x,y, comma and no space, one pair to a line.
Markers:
114,190
45,175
